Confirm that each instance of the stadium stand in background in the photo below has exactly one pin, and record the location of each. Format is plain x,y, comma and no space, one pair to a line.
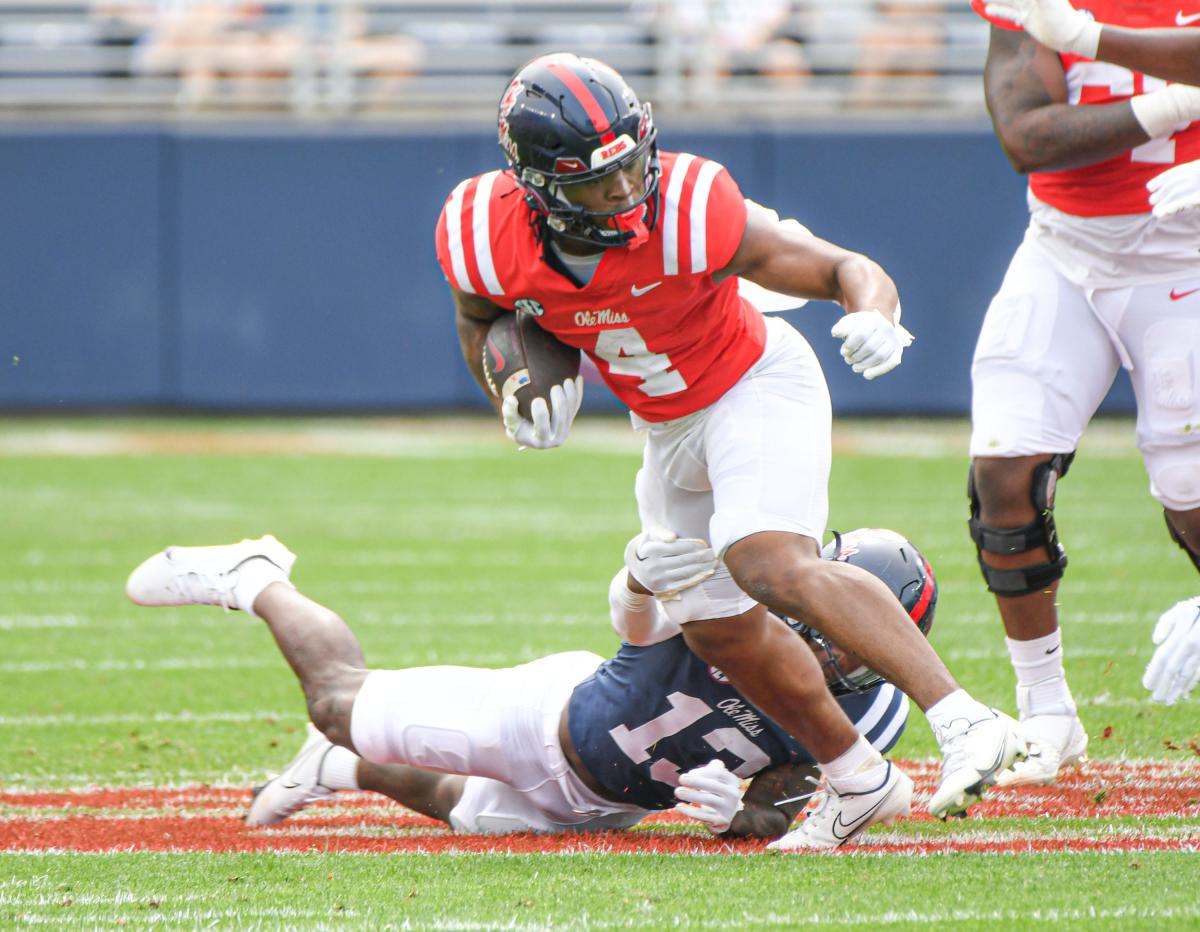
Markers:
445,59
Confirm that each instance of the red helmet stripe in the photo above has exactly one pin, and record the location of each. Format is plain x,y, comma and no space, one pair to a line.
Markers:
591,106
918,610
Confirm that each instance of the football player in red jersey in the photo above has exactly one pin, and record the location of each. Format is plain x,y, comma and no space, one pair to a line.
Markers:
1099,282
633,255
1172,54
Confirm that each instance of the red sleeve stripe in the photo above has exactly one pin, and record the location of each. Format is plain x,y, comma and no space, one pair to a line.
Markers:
591,106
670,213
698,214
469,208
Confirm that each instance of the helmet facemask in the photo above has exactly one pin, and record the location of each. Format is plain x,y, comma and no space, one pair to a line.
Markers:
629,225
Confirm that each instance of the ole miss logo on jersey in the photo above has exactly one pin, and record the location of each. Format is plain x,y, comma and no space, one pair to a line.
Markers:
529,306
664,336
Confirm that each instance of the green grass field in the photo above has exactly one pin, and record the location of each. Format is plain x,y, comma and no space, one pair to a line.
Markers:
439,543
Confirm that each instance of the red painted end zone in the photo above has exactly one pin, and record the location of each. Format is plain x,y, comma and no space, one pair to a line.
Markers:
208,819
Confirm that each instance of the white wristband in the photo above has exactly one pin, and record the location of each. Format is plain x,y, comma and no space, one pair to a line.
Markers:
1162,112
620,594
1087,42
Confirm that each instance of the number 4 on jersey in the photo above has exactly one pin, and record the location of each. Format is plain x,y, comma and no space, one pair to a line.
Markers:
627,354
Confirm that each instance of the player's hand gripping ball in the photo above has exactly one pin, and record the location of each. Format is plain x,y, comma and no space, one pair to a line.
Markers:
536,378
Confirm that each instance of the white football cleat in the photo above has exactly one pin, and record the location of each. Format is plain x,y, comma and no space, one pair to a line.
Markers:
1055,742
1054,734
973,755
203,575
298,786
840,816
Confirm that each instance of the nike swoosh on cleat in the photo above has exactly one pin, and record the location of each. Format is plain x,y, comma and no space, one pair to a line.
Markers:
853,826
1181,20
638,292
1178,295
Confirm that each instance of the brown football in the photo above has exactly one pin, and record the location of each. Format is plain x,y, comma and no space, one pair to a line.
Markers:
521,358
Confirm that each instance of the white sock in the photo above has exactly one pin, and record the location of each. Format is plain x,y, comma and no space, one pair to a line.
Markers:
1041,683
1038,659
856,769
339,769
958,704
253,577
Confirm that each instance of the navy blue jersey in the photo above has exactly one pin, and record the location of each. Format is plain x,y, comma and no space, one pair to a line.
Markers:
651,713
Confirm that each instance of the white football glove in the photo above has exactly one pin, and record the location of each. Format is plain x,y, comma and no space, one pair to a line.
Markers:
1052,22
871,343
1175,189
710,794
547,425
666,565
1175,667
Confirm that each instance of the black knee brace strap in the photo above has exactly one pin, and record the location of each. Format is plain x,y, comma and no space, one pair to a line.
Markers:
1178,538
1040,532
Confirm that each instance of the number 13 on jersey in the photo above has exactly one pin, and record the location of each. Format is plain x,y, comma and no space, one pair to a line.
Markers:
638,743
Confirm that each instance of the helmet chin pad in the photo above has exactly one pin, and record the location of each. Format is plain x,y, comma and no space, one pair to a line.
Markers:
633,222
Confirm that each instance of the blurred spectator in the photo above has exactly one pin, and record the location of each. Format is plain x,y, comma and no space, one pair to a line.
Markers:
227,49
365,57
706,41
901,53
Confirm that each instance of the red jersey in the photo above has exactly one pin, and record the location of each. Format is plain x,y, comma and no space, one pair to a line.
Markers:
1117,185
666,338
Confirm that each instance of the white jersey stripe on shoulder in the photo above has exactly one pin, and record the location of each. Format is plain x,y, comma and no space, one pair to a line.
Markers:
888,735
670,214
458,259
698,214
483,241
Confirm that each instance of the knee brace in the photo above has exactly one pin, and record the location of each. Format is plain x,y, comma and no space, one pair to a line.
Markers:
1178,538
1038,533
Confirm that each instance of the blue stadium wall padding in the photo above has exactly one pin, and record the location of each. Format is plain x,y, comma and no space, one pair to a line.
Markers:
82,313
275,268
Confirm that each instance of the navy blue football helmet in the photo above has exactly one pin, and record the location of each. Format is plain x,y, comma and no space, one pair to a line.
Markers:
566,119
901,567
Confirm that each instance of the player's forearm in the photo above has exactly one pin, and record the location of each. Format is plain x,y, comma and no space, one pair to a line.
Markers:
1170,54
1026,92
1060,136
635,613
862,285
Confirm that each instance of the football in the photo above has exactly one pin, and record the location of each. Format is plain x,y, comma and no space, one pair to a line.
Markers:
521,358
